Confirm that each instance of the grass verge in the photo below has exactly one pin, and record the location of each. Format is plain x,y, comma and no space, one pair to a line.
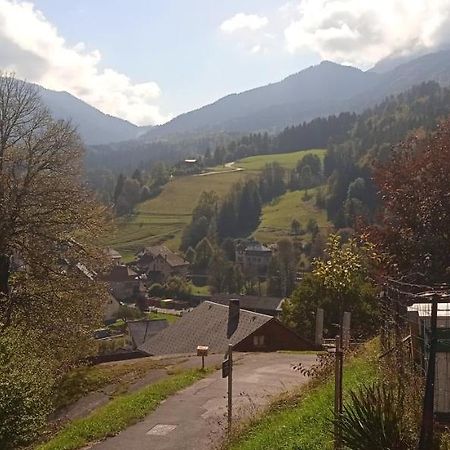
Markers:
120,413
301,420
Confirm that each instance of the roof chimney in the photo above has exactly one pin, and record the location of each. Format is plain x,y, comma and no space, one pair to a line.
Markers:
233,316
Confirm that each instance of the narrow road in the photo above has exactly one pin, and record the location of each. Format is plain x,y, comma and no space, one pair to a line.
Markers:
195,418
230,168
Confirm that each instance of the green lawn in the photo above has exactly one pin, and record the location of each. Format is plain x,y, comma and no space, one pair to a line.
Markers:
162,219
286,160
171,318
119,413
302,421
278,215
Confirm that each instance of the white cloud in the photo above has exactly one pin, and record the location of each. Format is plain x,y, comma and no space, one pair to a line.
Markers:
363,31
32,47
255,49
241,21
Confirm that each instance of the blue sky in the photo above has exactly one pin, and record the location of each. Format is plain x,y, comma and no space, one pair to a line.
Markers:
176,43
149,60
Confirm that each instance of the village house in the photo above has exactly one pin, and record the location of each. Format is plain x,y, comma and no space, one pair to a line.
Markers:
159,263
253,257
111,309
217,326
113,255
124,283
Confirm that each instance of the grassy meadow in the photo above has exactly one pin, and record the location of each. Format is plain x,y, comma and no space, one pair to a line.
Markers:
286,160
162,219
278,215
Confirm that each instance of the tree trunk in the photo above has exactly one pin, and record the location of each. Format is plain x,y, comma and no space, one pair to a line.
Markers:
4,274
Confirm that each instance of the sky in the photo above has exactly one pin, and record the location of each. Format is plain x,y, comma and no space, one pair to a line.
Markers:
149,60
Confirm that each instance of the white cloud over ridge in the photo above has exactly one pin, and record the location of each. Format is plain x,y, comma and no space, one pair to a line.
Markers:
32,47
362,32
242,21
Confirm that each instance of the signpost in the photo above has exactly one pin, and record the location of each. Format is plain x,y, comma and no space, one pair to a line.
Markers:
202,350
227,372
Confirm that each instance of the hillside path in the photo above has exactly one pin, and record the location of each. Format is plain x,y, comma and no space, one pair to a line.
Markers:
195,418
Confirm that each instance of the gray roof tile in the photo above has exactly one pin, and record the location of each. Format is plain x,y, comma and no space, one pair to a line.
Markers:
206,324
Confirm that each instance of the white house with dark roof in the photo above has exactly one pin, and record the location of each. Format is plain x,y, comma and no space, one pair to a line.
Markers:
253,256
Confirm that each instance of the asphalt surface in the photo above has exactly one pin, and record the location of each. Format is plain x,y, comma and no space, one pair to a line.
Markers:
195,418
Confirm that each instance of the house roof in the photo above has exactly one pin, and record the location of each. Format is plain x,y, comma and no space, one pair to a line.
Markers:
251,302
257,247
172,258
113,254
120,273
424,309
141,330
207,324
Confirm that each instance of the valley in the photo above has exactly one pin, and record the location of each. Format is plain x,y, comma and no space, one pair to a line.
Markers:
162,219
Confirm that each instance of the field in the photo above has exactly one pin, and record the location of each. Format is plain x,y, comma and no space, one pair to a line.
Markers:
277,216
286,160
163,218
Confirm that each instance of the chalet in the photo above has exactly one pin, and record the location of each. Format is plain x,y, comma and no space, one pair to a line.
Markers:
111,309
253,257
124,283
217,326
158,263
264,305
113,255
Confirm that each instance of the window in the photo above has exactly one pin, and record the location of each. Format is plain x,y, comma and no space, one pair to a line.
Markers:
258,341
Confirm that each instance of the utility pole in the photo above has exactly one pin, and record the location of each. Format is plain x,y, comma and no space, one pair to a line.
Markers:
230,387
227,372
338,392
426,432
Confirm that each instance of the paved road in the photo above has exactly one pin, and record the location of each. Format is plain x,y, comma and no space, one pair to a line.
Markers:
195,418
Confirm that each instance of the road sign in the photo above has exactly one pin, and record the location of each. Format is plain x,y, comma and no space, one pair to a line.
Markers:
225,368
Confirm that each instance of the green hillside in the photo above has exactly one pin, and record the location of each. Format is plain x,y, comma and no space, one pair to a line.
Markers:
163,218
286,160
278,215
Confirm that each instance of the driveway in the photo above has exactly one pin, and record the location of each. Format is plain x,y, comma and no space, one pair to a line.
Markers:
195,418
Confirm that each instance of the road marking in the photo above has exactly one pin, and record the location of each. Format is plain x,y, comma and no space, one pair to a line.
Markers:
161,430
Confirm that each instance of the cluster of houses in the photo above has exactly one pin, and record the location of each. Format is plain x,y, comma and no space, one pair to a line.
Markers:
249,322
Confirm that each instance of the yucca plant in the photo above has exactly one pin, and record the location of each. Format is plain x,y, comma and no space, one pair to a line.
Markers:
374,419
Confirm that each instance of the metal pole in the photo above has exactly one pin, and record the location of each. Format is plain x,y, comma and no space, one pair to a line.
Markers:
230,387
203,362
426,432
338,393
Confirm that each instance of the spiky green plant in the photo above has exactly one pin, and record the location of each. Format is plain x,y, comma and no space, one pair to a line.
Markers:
374,419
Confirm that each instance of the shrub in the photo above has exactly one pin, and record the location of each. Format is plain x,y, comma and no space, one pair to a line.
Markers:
375,419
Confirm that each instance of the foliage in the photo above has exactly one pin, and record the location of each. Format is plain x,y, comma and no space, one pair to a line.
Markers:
119,413
370,140
336,284
26,383
414,187
343,267
174,287
49,225
373,419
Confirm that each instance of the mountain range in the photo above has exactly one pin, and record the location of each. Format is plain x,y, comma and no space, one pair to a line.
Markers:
321,90
94,126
